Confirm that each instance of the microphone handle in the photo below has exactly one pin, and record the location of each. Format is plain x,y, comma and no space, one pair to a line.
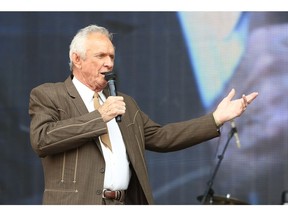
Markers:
113,92
118,118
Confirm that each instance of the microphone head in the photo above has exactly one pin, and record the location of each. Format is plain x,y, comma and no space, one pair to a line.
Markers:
110,76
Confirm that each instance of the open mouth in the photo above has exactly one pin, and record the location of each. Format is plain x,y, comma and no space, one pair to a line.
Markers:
109,75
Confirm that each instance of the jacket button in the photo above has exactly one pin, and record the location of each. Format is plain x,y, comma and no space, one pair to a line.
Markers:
102,170
98,192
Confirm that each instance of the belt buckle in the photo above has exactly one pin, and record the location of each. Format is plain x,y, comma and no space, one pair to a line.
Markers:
103,193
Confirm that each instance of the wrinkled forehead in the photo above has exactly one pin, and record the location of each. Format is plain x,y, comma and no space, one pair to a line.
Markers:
100,41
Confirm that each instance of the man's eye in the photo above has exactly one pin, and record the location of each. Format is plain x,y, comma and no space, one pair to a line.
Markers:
100,56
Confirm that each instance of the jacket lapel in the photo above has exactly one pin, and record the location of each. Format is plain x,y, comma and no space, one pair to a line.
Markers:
78,102
73,93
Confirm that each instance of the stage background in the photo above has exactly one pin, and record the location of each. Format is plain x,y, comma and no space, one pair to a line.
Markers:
193,58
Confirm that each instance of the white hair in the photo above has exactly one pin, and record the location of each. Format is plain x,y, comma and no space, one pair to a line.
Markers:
78,43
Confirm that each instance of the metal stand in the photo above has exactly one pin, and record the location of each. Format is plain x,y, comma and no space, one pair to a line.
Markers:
209,191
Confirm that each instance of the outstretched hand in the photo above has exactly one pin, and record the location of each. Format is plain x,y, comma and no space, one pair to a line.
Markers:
229,109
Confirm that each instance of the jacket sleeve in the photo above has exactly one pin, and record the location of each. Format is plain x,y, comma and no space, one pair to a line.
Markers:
170,137
180,135
53,129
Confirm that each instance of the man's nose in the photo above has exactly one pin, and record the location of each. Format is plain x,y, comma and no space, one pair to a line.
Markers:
109,62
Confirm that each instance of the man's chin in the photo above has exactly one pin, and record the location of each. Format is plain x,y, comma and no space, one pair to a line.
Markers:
102,86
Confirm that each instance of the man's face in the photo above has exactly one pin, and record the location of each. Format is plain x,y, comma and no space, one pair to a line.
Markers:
100,56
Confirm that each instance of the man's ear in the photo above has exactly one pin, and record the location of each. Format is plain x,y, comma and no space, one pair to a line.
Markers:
76,59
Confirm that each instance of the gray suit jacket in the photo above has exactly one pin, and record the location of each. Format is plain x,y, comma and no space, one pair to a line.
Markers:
64,134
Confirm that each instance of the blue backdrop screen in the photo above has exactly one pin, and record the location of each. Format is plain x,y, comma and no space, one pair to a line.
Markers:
193,58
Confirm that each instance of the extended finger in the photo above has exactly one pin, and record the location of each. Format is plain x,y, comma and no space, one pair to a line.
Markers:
251,97
231,94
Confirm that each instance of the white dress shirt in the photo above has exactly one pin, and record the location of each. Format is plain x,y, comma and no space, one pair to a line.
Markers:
117,172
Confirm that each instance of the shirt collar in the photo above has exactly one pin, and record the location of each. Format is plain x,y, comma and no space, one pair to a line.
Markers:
85,92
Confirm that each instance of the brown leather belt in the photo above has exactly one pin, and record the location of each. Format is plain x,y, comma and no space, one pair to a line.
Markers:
116,195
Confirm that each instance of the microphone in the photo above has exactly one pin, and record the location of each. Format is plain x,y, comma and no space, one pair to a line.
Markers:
110,77
235,132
